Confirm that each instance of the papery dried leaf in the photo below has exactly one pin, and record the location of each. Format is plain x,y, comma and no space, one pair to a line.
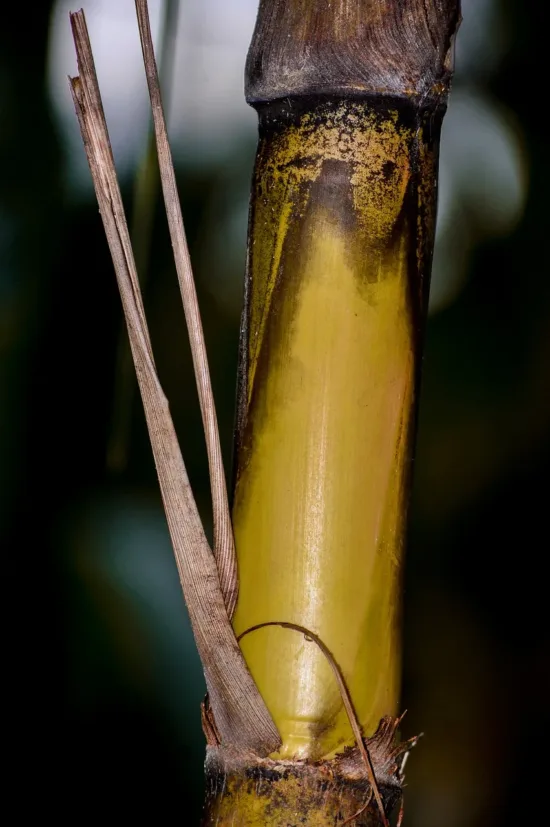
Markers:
241,716
224,545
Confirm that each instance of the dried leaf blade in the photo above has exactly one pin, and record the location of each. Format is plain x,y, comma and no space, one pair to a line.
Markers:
224,545
241,715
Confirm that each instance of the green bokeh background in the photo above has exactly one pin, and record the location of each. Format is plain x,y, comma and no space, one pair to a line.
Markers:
103,680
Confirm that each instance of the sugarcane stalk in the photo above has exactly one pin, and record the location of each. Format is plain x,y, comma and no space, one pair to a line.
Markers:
350,99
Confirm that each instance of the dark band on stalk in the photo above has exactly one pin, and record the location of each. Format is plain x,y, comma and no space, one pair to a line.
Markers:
277,114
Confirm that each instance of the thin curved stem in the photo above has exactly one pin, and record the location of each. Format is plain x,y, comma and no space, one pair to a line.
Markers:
348,705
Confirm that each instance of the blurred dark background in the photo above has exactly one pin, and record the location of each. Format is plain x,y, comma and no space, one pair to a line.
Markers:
102,677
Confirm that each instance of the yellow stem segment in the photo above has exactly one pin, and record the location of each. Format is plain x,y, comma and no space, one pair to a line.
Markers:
340,238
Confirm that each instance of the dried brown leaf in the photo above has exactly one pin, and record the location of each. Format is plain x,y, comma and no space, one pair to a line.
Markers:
240,713
224,545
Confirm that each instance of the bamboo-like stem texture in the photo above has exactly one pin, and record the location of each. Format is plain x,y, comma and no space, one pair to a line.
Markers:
350,98
342,229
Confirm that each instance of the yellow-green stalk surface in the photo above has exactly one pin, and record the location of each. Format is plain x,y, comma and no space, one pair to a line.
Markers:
341,231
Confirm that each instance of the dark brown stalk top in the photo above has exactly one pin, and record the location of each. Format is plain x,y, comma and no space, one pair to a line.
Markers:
352,47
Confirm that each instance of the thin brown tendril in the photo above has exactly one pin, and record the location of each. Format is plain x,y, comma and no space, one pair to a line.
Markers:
348,705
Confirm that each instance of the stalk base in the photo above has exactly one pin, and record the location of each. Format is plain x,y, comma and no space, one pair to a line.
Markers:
246,791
